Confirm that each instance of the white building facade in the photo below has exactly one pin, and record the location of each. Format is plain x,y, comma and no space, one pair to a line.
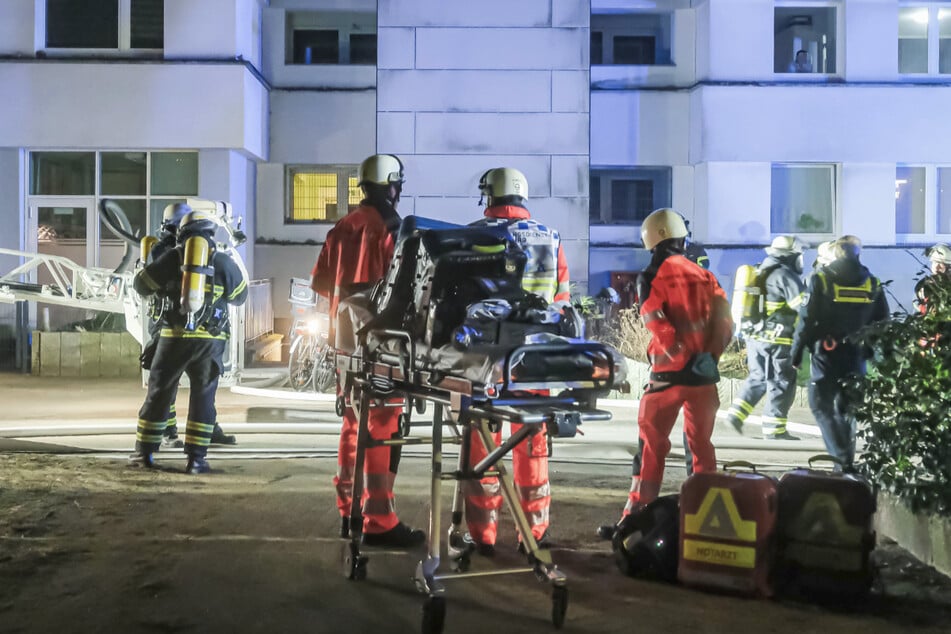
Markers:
610,107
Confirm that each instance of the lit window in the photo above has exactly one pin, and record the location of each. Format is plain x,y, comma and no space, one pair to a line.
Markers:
314,192
909,199
804,39
627,196
640,39
924,28
331,37
802,198
105,24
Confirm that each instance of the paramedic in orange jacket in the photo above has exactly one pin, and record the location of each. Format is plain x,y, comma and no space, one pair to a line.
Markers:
688,316
546,275
358,250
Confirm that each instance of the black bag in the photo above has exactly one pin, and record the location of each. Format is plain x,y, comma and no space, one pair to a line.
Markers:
647,541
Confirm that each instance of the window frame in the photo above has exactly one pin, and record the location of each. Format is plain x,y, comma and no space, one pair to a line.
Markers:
932,232
933,39
343,172
838,45
609,174
328,20
608,34
836,199
123,46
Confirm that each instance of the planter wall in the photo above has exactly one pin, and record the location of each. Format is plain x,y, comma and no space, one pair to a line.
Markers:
85,354
927,538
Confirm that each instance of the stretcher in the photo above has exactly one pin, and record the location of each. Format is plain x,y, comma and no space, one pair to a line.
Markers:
547,381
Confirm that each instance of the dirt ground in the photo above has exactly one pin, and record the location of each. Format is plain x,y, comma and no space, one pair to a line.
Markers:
91,545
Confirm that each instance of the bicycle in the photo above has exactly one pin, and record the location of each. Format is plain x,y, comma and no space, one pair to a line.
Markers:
312,360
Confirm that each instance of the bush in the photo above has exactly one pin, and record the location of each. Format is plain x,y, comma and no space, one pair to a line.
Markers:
902,408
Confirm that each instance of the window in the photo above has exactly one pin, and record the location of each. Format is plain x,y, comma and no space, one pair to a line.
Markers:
105,24
331,37
804,40
641,39
141,183
313,193
909,199
627,196
924,39
802,198
944,200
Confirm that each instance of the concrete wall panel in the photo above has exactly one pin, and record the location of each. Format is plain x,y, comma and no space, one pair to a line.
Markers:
396,48
426,13
458,133
500,49
467,91
322,127
570,91
569,176
640,128
458,175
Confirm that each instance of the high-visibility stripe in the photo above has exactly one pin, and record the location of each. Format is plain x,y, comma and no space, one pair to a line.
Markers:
200,333
853,294
148,281
198,434
238,289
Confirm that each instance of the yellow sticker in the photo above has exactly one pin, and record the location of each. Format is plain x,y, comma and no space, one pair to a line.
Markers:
718,517
719,554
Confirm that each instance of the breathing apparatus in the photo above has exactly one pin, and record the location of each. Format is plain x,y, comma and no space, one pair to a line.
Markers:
195,234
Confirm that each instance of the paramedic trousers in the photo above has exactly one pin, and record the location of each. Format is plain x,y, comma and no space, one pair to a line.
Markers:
831,410
379,468
483,498
772,375
656,416
201,360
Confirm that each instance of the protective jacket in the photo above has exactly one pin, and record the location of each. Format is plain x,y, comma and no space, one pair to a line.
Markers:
932,293
783,297
163,276
357,251
696,253
841,299
688,315
546,273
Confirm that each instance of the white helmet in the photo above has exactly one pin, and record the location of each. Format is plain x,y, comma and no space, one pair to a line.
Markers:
825,253
660,225
939,253
848,247
785,245
173,214
380,169
502,182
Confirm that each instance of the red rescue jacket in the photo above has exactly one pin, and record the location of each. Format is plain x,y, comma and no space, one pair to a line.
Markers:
687,313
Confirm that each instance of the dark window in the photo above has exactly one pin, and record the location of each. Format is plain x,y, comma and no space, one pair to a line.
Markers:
62,173
597,47
631,200
82,23
316,47
148,23
363,48
594,199
634,49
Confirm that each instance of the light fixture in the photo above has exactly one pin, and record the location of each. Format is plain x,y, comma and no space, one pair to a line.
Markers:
920,16
898,183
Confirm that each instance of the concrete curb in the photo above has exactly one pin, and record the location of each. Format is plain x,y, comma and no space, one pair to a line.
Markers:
926,537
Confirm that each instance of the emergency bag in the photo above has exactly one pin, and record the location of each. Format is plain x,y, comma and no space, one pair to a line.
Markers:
748,307
647,542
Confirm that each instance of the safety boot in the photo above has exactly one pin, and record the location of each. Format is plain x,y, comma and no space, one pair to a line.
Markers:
607,531
784,435
483,548
143,460
400,536
197,465
736,423
345,527
219,437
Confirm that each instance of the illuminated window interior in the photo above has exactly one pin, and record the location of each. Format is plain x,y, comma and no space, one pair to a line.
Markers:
314,193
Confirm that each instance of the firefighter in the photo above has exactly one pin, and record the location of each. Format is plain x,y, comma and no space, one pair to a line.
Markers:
927,295
199,283
688,316
171,217
505,191
841,299
768,348
358,250
694,250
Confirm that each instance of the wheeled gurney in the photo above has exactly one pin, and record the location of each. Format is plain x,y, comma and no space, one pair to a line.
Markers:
404,348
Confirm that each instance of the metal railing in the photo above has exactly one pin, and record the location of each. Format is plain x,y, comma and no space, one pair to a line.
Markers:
258,310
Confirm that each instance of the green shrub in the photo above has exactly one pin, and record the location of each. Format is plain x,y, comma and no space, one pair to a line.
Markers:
901,406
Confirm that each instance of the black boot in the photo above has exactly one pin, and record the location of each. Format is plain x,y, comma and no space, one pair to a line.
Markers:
197,465
607,531
143,460
400,536
345,527
219,437
170,438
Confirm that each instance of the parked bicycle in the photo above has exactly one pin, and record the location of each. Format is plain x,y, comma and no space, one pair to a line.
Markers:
311,363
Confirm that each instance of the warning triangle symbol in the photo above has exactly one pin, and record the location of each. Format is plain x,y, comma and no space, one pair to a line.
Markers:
718,523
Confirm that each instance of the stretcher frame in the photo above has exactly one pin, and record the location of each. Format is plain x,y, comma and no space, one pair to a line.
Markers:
461,404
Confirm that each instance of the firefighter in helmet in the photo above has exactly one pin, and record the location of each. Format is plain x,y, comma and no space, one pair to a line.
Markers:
152,249
768,348
199,282
689,319
932,289
357,251
841,299
505,192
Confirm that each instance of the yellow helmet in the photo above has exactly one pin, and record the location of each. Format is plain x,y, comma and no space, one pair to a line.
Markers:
660,225
381,169
825,253
940,253
502,182
785,245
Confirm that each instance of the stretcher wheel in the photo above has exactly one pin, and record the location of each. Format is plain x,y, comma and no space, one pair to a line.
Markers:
434,615
340,406
354,564
405,424
559,605
420,405
462,563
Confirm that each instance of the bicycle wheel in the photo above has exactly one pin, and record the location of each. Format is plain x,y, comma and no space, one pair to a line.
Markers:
325,369
300,366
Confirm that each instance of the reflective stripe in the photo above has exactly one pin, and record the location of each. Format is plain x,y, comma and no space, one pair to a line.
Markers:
796,301
378,481
200,333
148,281
150,431
853,294
774,424
530,493
772,307
652,315
740,409
238,289
198,434
379,506
642,492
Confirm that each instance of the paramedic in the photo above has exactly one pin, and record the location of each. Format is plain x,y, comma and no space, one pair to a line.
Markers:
357,251
171,218
188,344
688,316
768,348
841,299
505,191
927,295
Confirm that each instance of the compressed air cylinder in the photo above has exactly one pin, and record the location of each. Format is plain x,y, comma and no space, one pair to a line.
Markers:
195,269
746,294
145,247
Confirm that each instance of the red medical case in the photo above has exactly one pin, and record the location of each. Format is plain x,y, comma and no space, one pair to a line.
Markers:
727,526
825,532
